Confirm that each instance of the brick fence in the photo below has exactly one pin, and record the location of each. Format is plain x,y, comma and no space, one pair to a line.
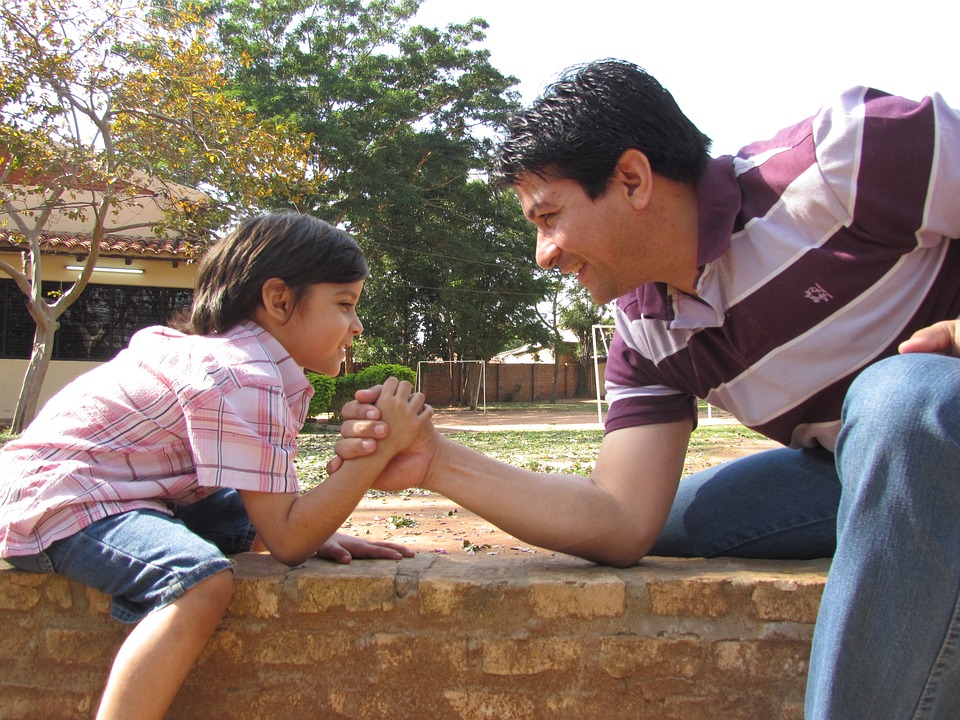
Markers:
443,637
446,384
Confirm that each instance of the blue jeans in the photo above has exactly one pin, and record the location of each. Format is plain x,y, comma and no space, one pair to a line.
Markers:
887,640
147,560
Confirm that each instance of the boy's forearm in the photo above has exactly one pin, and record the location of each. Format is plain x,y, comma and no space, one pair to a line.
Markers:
317,514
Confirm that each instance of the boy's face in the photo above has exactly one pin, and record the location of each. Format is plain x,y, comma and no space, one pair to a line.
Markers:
324,324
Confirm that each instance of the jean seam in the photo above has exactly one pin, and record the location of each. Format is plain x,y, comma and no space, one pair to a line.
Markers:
947,651
728,548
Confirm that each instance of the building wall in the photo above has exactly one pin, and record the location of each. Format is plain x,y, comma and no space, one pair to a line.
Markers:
156,273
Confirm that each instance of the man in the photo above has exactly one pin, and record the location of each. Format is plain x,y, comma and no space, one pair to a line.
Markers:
809,286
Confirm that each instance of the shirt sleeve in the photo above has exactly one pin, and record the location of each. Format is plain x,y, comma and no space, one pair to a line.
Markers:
635,394
243,436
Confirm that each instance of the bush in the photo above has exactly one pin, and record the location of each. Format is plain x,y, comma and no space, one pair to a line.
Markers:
347,385
324,388
376,374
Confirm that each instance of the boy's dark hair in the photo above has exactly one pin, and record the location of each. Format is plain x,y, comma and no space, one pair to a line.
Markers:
583,123
299,249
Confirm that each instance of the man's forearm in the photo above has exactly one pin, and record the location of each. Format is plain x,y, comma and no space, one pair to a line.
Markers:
567,513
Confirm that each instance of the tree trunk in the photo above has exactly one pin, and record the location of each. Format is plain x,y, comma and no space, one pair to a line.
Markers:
35,375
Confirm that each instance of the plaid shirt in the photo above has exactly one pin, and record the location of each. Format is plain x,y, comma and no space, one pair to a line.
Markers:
165,423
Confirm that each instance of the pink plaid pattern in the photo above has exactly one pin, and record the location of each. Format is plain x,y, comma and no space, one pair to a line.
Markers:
169,420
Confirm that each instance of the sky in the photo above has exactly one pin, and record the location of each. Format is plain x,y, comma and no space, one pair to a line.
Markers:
739,69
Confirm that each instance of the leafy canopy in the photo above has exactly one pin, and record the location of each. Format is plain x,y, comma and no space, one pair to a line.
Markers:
403,119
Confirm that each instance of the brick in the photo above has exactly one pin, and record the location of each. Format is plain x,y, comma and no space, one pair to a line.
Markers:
494,605
626,656
441,597
58,592
528,656
592,597
32,703
226,643
256,597
98,601
298,646
763,659
20,590
352,592
791,711
82,647
694,597
392,650
455,638
15,640
491,706
796,600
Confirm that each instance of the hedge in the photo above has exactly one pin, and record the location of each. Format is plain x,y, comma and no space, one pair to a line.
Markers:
332,394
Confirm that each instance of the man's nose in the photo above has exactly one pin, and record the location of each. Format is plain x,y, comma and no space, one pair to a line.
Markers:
547,253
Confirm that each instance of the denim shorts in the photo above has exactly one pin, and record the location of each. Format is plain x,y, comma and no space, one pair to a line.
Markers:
146,559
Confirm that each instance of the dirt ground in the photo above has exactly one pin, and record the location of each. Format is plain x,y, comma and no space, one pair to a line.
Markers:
429,523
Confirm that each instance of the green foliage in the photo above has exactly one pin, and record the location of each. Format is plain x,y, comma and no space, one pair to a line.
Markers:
395,522
579,315
324,388
376,374
117,120
347,385
402,118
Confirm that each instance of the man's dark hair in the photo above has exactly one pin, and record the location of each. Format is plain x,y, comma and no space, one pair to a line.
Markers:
583,123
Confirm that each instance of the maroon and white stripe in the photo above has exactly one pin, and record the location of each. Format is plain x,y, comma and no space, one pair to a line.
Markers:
822,249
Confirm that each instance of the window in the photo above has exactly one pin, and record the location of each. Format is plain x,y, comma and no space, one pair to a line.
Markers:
96,327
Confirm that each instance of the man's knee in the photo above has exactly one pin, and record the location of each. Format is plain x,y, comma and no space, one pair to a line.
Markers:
898,393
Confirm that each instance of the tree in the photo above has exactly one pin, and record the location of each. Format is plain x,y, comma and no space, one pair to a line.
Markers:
579,316
105,110
402,119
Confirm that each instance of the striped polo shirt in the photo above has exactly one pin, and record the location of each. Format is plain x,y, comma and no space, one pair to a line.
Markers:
820,250
164,423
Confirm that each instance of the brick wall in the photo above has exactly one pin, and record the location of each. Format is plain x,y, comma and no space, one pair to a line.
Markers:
444,637
443,383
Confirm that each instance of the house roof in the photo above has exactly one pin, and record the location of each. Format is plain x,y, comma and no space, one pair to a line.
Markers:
67,243
67,234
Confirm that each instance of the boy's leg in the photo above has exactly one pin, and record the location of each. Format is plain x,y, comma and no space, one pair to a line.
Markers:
162,575
887,642
158,654
774,504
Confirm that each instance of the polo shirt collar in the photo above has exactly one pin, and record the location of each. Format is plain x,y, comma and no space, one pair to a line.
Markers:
718,197
718,200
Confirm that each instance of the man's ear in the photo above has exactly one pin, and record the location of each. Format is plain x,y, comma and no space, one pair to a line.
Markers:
635,177
277,300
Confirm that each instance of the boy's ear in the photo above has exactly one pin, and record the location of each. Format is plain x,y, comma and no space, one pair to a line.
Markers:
635,176
277,300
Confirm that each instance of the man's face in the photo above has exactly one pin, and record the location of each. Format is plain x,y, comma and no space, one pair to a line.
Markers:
600,241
